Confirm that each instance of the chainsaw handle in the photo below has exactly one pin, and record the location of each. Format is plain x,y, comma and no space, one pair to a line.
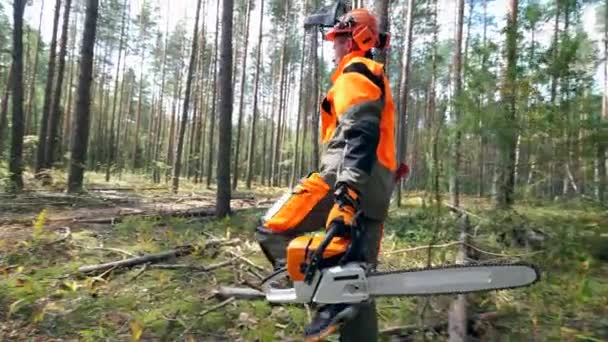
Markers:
313,266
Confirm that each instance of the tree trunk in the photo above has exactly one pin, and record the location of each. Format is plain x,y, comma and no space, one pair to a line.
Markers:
237,147
315,99
602,179
79,141
4,107
296,147
48,93
382,7
67,125
225,125
213,103
54,119
505,190
457,78
32,92
110,158
16,156
256,82
180,143
404,92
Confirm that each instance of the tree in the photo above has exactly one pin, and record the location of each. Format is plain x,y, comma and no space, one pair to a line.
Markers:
4,107
508,134
256,82
213,101
241,98
48,93
404,91
223,163
602,179
54,118
382,7
15,165
112,147
80,136
32,91
182,130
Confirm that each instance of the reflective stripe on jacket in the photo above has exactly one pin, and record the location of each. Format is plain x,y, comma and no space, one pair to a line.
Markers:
358,125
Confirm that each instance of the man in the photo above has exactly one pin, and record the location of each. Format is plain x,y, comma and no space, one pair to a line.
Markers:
357,170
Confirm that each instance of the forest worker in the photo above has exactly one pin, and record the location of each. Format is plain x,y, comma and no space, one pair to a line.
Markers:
357,170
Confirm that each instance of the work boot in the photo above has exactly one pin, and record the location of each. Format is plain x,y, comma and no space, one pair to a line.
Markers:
327,321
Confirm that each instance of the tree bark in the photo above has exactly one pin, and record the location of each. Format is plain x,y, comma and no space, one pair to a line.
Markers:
382,7
457,78
32,92
508,143
16,156
79,141
213,103
4,107
251,149
237,146
225,125
404,92
48,93
602,179
54,119
110,158
296,147
180,143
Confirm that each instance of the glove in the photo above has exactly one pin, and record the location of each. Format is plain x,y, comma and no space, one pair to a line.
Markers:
345,208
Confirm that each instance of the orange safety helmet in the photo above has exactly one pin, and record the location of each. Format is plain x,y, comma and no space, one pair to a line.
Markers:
361,24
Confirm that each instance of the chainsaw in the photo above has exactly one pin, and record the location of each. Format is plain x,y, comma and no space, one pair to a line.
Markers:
323,273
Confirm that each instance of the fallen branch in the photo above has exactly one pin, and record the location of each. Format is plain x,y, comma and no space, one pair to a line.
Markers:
153,258
141,271
463,211
239,292
500,254
115,250
247,261
218,306
194,267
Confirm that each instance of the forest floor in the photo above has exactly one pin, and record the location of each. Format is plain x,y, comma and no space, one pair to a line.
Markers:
46,235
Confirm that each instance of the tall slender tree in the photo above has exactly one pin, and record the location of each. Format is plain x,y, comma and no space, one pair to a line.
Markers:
456,104
48,93
32,91
508,131
213,102
404,90
54,118
182,130
602,179
15,164
223,164
80,136
256,82
237,146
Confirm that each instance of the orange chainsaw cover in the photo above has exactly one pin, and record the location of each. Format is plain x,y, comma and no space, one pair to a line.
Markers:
301,249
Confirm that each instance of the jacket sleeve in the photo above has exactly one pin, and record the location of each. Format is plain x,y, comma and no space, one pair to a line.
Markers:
358,101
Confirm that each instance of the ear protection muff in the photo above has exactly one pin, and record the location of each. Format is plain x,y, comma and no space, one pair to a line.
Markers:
364,38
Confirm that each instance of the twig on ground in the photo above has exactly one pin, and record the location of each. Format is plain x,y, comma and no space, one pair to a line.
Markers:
500,254
201,268
216,307
249,262
140,272
115,250
463,211
152,258
452,243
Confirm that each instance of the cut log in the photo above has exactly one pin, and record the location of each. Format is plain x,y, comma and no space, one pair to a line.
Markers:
239,293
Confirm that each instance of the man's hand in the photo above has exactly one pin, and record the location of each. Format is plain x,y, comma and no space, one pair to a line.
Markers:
344,210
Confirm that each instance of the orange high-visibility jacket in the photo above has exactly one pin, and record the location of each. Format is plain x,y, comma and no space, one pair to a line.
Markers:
358,132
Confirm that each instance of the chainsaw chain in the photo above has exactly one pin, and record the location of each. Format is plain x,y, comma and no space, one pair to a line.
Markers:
445,267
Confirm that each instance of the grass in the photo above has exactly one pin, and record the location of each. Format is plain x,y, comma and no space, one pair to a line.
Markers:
43,298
